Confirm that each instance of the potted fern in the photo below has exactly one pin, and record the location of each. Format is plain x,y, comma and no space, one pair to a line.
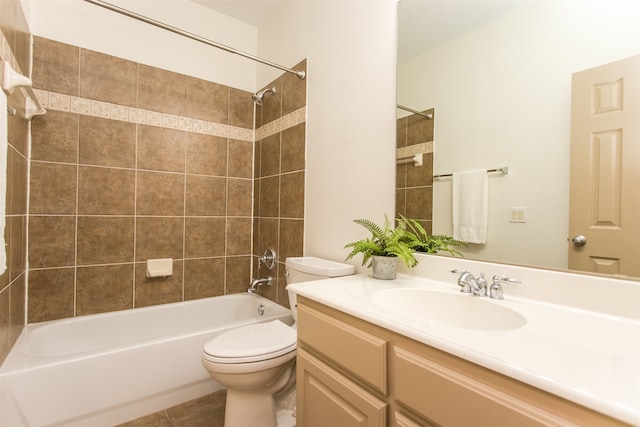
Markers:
386,245
423,242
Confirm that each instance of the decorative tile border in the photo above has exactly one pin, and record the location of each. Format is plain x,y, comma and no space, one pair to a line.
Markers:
412,150
89,107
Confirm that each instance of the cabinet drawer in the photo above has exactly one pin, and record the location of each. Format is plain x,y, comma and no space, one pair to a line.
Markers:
327,398
451,398
361,353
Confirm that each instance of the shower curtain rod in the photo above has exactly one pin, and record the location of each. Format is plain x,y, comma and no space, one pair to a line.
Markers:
426,116
301,74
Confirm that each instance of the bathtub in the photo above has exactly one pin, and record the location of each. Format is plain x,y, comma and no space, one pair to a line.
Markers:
106,369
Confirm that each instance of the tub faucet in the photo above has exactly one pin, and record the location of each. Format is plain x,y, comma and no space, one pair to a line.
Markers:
470,284
259,282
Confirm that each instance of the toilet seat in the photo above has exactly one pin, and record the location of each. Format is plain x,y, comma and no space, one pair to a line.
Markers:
251,343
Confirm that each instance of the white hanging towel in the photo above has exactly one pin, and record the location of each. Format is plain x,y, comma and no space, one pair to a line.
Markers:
3,176
470,206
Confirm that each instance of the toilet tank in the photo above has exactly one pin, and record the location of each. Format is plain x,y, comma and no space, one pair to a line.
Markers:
304,269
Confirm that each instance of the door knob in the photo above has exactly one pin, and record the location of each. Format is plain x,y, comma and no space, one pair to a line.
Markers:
579,240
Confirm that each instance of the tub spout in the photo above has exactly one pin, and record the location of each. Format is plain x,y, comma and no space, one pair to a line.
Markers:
259,282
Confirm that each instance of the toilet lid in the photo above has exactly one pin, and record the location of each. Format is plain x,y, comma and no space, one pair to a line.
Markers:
253,341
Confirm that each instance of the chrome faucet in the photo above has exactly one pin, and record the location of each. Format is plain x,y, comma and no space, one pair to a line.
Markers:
259,282
471,285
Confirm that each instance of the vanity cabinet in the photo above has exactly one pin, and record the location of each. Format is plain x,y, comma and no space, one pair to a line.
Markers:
353,373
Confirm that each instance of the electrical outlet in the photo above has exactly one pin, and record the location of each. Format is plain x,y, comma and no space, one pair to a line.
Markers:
517,214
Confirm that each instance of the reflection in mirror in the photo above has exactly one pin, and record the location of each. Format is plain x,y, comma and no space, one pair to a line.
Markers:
502,91
414,166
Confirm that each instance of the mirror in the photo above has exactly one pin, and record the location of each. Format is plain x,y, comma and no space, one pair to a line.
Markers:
500,89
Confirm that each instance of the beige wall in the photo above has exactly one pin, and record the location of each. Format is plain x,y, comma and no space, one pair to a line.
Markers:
17,50
351,127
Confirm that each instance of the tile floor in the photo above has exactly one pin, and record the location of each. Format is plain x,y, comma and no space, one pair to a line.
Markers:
206,411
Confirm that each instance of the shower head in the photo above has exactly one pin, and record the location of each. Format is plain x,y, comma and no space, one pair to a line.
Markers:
259,97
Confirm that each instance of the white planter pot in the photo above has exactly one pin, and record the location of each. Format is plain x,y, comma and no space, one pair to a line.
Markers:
384,267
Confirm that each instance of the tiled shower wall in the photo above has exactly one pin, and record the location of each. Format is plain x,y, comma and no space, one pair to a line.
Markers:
280,174
132,163
15,48
414,184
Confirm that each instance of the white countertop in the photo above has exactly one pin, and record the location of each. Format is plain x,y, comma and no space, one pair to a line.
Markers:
587,357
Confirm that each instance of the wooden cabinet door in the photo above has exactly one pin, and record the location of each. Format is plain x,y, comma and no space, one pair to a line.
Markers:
327,398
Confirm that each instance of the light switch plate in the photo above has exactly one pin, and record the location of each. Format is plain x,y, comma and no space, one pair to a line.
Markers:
517,214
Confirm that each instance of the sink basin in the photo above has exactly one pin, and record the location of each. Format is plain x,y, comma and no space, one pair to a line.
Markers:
450,309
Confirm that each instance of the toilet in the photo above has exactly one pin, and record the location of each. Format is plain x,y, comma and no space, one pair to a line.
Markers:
256,362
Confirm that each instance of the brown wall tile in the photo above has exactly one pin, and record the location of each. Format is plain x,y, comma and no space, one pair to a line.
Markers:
55,137
294,90
105,191
268,235
240,108
17,185
51,241
161,149
104,240
419,202
269,196
207,155
18,133
204,237
17,245
293,148
53,188
270,156
56,66
292,195
161,90
51,294
238,236
240,159
206,196
104,142
104,288
207,101
291,238
108,78
160,194
239,197
236,280
203,278
159,238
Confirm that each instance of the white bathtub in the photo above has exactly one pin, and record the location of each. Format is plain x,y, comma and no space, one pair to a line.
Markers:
105,369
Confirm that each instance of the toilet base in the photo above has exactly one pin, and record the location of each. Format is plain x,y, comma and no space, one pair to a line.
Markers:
247,408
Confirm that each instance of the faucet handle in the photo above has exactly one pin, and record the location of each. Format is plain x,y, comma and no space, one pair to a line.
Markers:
495,291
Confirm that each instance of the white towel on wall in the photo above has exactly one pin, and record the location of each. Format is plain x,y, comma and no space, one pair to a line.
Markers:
3,178
470,206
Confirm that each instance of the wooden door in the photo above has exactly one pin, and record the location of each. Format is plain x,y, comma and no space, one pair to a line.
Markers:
605,169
